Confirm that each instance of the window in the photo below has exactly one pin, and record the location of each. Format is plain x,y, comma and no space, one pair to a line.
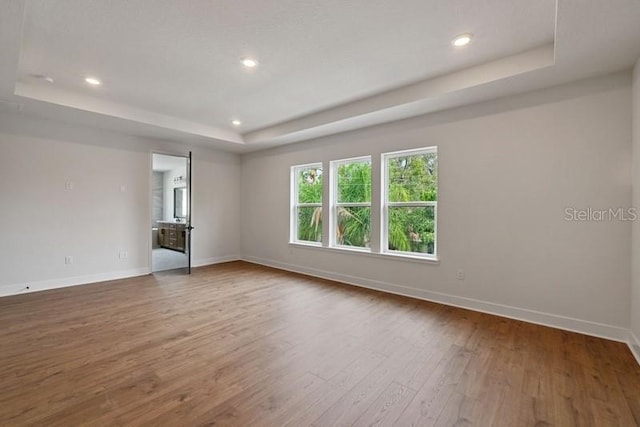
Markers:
306,202
409,206
351,202
406,201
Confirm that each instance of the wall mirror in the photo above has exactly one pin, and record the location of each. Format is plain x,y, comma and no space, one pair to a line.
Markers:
180,203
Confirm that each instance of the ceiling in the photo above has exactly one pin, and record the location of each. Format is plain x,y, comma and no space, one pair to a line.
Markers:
172,70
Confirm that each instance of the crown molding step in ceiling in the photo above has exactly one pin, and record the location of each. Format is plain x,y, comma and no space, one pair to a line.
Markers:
242,76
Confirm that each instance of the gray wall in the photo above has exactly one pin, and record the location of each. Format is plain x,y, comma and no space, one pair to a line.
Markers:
107,211
635,262
157,194
508,170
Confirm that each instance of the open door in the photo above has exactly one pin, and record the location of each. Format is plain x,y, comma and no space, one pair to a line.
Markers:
189,227
171,227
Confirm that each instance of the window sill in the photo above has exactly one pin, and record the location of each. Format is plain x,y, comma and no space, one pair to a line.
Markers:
306,244
365,252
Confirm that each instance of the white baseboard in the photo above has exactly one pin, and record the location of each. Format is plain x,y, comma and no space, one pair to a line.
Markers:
217,260
634,345
561,322
44,285
586,327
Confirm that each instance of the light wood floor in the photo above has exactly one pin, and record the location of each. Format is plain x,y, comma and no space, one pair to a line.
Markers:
239,344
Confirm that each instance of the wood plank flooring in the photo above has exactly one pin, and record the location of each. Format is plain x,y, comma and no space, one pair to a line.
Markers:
244,345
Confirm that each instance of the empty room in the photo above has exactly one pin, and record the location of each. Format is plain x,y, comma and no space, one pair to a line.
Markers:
320,213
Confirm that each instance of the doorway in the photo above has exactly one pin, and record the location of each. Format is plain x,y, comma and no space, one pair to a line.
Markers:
171,213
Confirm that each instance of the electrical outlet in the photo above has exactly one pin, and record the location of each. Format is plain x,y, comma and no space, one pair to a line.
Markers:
460,274
68,260
123,255
68,185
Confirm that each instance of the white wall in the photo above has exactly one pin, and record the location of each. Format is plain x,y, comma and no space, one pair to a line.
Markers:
94,221
215,191
508,169
635,261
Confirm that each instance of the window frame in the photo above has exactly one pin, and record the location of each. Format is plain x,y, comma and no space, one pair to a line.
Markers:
334,204
295,205
386,204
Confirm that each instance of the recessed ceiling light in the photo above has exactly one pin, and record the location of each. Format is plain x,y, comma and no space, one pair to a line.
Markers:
236,122
93,81
462,40
249,62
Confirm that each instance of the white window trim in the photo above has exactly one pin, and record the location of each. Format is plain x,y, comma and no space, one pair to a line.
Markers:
400,256
385,205
294,205
334,204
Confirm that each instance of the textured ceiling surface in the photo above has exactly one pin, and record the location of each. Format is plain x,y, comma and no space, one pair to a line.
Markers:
172,69
183,58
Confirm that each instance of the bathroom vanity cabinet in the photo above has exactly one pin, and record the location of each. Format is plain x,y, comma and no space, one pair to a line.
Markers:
172,235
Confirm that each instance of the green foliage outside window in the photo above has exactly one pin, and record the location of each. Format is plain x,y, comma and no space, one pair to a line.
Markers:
353,226
412,178
309,182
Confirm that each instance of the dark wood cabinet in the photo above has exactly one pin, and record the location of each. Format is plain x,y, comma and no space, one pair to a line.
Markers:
172,235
